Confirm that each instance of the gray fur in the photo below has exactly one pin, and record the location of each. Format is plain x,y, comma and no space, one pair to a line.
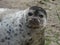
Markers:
13,29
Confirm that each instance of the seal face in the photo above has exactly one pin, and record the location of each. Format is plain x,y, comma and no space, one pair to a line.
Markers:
36,17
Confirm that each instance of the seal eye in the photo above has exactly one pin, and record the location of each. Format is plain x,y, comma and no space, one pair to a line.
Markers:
41,16
30,14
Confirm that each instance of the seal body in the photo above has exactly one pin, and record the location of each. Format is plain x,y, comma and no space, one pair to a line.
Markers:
18,28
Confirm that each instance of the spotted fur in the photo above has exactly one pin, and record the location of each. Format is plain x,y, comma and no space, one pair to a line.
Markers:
13,29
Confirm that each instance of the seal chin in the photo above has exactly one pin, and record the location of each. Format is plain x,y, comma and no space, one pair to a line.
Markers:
33,26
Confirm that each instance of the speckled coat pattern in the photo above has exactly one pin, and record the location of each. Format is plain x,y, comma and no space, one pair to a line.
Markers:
12,30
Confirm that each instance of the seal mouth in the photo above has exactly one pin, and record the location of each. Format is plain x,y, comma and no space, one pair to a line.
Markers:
33,24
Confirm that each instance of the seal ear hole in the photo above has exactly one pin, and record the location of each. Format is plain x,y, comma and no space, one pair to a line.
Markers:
30,14
41,16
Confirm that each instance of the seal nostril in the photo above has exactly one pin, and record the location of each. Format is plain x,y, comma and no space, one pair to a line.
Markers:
34,19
